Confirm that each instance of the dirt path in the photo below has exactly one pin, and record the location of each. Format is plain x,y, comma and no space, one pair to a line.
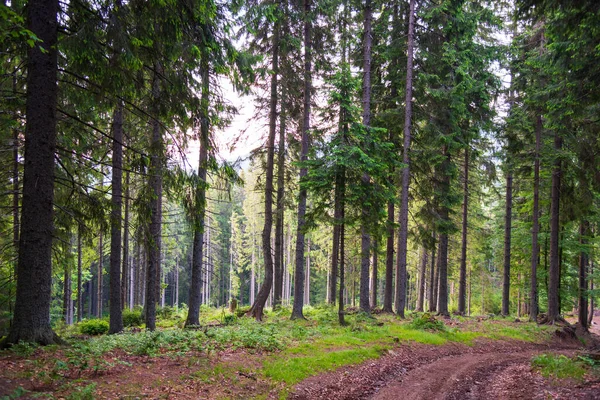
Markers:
456,377
487,370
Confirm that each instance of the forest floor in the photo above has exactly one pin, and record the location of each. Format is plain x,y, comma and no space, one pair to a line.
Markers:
469,358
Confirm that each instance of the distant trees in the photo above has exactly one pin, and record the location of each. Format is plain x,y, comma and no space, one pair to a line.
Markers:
118,94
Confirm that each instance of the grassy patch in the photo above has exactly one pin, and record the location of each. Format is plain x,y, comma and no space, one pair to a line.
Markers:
559,367
292,370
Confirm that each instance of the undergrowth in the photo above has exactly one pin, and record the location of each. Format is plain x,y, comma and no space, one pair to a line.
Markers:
560,366
289,351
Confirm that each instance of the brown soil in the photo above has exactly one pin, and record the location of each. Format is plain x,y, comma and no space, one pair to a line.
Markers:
487,370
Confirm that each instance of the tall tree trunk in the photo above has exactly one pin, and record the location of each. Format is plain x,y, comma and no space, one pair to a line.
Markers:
258,305
389,260
432,280
79,275
462,288
422,269
365,244
193,317
389,253
342,258
405,178
31,321
535,225
335,248
584,231
279,215
100,272
444,213
507,239
125,272
591,310
155,182
554,273
299,273
374,276
116,319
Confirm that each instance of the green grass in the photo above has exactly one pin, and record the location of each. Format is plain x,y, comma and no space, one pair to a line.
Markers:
289,351
559,367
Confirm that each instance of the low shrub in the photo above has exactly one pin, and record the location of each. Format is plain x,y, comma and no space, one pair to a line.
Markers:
94,327
132,318
427,322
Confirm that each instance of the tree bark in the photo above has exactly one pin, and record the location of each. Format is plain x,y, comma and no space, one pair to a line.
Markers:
299,273
116,319
365,245
155,182
278,262
258,306
584,231
422,269
535,225
31,322
193,317
342,258
374,276
507,239
79,275
554,271
462,287
125,270
432,280
405,178
100,271
389,260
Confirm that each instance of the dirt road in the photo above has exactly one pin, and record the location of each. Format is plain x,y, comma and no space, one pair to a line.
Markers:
487,370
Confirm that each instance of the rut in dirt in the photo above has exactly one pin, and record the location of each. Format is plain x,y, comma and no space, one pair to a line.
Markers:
487,370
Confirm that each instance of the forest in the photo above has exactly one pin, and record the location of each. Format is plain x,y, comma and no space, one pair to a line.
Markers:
418,156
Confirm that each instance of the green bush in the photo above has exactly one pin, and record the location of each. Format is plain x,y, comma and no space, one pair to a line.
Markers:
132,318
94,327
427,322
241,311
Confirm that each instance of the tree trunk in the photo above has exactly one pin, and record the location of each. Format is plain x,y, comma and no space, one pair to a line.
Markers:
100,273
126,272
554,272
154,242
279,215
79,275
584,231
365,244
421,293
258,305
335,248
342,258
116,319
591,311
507,238
462,288
405,178
374,276
535,225
432,281
299,273
193,317
31,321
443,245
